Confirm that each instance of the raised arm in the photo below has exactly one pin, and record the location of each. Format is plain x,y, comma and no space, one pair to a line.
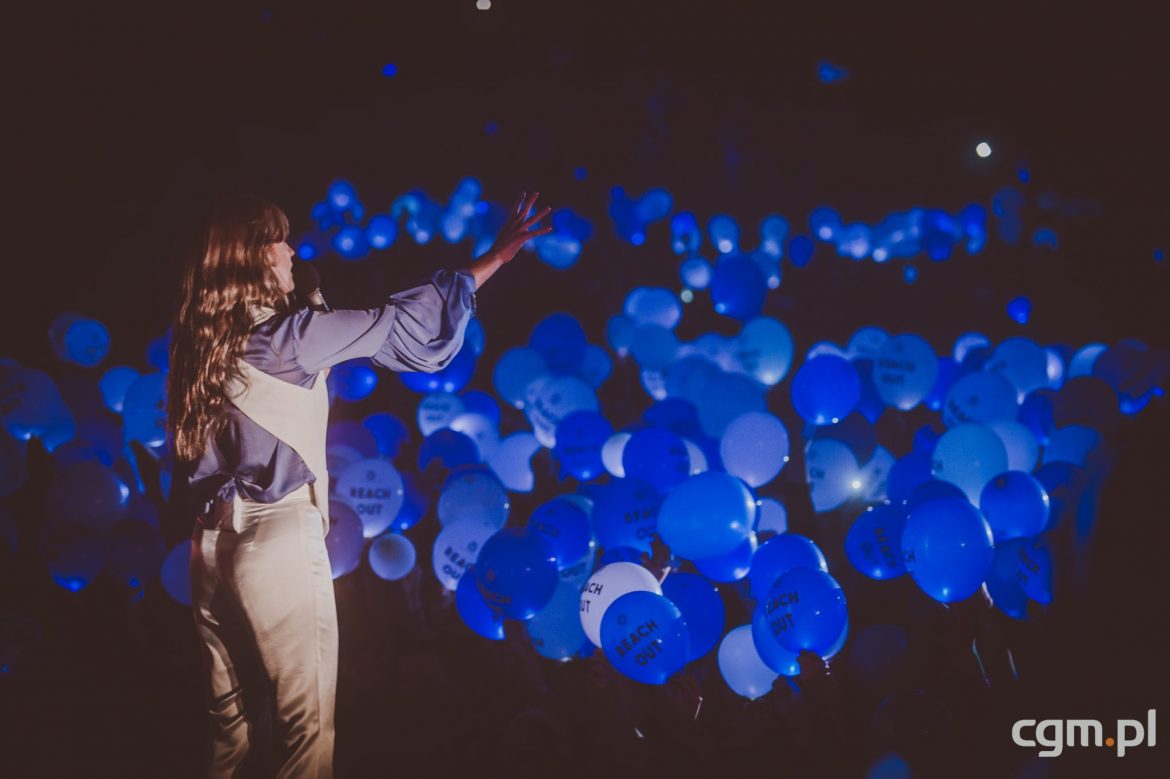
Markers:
514,234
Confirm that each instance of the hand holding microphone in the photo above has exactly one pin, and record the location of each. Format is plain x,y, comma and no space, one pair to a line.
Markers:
308,286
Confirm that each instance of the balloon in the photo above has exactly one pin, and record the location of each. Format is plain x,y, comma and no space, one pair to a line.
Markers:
473,495
780,554
392,556
144,410
79,340
450,448
517,572
696,272
656,456
511,461
87,494
606,585
344,540
517,369
580,437
436,410
980,397
677,415
763,350
738,287
708,515
741,666
476,402
654,347
1082,362
645,637
905,371
934,489
1015,505
968,456
825,389
75,555
701,607
474,610
596,366
948,374
456,547
479,429
874,543
771,517
612,452
804,610
559,339
1022,449
947,547
373,489
874,475
619,332
855,431
353,380
832,473
754,447
556,399
452,378
906,474
175,573
725,397
555,631
625,513
732,566
781,660
1034,568
1003,580
566,526
1022,363
688,376
114,383
353,436
1071,444
653,305
866,343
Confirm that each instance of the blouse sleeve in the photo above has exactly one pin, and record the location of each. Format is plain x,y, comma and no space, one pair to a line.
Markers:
420,329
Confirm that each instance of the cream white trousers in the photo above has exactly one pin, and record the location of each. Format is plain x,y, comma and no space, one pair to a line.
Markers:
262,592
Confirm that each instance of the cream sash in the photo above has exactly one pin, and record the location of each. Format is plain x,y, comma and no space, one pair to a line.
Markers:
298,416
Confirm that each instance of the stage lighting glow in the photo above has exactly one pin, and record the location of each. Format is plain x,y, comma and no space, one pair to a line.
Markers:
483,5
389,69
686,296
983,149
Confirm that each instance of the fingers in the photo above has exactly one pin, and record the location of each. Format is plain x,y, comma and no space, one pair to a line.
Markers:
519,202
533,220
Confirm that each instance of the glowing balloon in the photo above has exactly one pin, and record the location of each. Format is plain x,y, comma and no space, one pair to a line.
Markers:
724,398
732,566
612,451
968,456
773,517
373,489
512,461
754,447
763,350
473,495
738,287
780,554
392,556
556,399
1022,449
79,340
516,572
741,666
388,433
947,546
653,305
656,456
517,369
605,586
596,366
1022,363
701,607
449,447
707,515
114,384
559,339
874,543
566,526
353,380
696,272
905,371
832,473
866,343
144,410
344,540
452,378
435,411
555,631
825,389
1015,505
874,475
625,513
456,547
645,637
804,610
982,396
474,610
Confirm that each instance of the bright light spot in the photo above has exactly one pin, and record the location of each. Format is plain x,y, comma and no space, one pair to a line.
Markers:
483,5
856,484
389,69
983,149
785,458
824,232
686,296
836,420
725,246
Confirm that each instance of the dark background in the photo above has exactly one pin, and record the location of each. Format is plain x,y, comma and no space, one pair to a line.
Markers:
124,121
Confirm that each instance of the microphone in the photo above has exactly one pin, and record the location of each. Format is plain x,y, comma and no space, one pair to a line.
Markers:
308,286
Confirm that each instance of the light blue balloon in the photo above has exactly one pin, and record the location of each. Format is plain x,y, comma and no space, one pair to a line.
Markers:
701,607
144,410
724,398
555,631
653,346
1015,505
566,525
346,539
392,556
741,666
764,350
474,494
905,371
738,287
696,272
724,233
773,233
732,566
475,611
114,383
982,396
968,456
825,389
948,548
381,232
780,554
708,515
645,637
1022,362
653,306
516,572
626,514
874,543
832,473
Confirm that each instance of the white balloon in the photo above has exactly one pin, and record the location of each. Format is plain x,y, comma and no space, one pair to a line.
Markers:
480,429
698,459
511,461
1023,450
772,516
905,371
607,585
754,447
557,398
866,343
740,664
832,473
1021,362
611,454
456,547
372,488
874,473
969,456
475,495
436,410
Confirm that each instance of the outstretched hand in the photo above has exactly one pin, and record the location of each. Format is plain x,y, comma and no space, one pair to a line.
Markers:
518,229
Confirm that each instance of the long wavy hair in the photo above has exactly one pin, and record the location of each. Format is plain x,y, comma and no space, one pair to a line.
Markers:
222,282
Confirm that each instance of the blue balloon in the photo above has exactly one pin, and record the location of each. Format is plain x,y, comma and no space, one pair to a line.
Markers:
79,340
724,233
451,379
475,611
826,389
566,525
708,515
158,351
625,513
351,243
981,396
696,272
346,432
449,447
645,637
685,235
75,556
114,383
1003,581
738,287
388,432
702,609
948,549
144,410
345,540
800,251
175,574
968,456
658,457
732,566
381,232
948,373
559,339
515,371
414,505
678,415
516,572
906,475
579,438
392,556
870,405
1015,504
477,402
555,631
933,490
653,305
805,610
353,380
1034,568
781,660
874,543
780,554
